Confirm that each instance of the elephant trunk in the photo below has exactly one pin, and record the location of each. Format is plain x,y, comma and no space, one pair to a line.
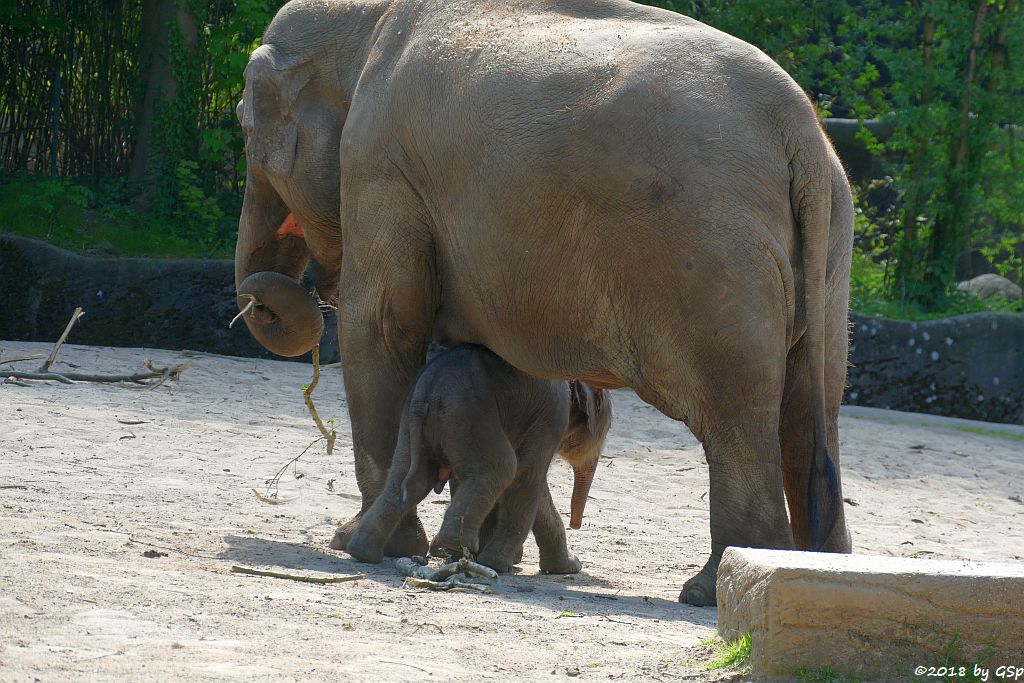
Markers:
583,478
270,258
282,315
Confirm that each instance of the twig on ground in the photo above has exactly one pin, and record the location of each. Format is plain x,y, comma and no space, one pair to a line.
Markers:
272,499
18,359
78,313
276,479
307,393
237,569
418,668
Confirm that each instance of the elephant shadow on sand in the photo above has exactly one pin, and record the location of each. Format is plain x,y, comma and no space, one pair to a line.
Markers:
548,591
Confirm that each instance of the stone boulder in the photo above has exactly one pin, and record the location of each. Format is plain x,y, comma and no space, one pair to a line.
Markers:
871,616
990,285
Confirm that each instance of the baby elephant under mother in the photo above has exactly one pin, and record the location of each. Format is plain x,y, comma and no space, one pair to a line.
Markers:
594,190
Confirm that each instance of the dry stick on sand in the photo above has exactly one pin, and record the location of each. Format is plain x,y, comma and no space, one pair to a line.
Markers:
236,569
143,379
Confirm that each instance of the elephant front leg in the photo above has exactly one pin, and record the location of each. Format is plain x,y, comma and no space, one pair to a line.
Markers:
384,322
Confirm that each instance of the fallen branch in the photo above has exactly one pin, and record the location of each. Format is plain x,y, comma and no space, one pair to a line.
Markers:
462,575
152,378
236,569
161,375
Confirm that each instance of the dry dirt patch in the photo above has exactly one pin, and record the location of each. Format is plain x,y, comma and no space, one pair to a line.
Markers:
96,482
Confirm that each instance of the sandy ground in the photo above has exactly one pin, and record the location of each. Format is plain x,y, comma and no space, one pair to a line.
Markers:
92,478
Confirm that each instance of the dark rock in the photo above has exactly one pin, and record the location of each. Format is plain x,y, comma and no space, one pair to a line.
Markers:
969,366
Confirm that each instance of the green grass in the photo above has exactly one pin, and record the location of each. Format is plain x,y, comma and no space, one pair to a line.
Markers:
729,655
823,675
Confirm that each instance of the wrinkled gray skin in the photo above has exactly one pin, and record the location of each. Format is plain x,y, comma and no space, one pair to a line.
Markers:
475,418
593,190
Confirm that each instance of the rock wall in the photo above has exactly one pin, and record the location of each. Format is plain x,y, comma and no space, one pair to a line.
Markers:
969,366
156,303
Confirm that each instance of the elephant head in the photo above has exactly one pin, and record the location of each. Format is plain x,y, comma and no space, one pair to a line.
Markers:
297,93
589,420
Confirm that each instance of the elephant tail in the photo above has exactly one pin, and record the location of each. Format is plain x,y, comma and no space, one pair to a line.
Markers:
415,419
811,200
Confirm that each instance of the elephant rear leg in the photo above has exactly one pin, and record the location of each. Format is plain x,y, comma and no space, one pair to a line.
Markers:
516,512
485,463
487,528
377,525
730,392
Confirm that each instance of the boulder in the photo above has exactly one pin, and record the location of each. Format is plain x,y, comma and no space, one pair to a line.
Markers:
989,285
870,616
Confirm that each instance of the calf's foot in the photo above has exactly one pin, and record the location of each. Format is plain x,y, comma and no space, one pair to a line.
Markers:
563,564
408,539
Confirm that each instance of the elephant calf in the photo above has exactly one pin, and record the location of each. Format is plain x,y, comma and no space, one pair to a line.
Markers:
493,430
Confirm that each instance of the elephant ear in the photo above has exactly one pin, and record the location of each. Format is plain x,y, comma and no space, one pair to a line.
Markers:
586,406
272,86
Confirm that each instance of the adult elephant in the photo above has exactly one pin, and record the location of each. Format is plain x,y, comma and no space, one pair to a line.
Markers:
593,190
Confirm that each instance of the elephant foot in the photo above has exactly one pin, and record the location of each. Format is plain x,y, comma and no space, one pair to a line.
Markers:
700,590
364,550
344,533
446,545
500,561
408,539
567,564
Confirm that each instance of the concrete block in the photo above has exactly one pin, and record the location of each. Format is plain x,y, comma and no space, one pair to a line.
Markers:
870,615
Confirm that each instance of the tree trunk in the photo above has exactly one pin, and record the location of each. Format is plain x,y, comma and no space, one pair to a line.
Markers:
908,244
159,82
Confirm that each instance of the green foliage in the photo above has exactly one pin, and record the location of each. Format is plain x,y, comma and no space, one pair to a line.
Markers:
101,220
945,75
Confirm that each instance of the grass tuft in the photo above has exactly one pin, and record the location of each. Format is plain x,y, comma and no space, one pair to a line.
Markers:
729,655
